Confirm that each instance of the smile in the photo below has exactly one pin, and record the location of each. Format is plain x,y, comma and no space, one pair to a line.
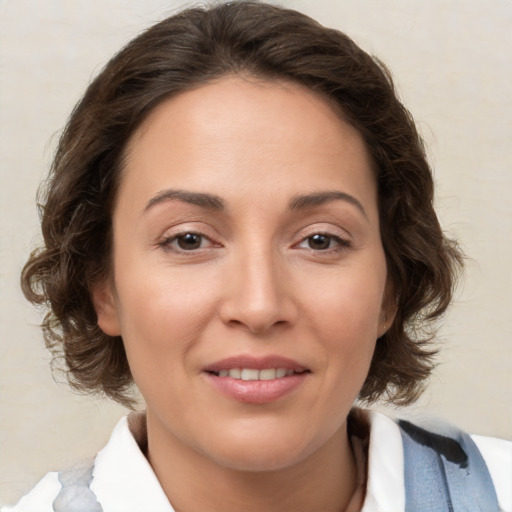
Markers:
256,380
255,374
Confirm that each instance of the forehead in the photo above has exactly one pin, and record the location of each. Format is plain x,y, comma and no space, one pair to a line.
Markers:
239,132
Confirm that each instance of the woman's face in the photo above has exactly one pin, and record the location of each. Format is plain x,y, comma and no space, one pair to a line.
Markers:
249,281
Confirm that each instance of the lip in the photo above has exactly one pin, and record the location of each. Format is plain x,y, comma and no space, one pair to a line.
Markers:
256,391
255,363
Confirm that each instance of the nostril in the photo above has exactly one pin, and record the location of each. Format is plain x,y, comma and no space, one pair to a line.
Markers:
256,308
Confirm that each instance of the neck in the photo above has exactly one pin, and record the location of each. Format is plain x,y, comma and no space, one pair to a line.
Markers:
324,480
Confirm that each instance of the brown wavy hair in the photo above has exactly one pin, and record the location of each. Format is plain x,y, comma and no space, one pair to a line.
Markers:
188,50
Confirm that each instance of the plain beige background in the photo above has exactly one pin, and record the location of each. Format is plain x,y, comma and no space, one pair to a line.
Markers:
451,61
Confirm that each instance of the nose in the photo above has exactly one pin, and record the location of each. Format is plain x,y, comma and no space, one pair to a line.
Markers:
258,296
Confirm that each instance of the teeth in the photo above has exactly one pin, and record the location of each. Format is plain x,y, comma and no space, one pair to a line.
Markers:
268,374
235,373
253,374
250,374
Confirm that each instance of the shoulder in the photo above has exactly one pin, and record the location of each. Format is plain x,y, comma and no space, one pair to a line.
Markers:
389,460
40,498
497,454
454,465
120,478
69,489
61,492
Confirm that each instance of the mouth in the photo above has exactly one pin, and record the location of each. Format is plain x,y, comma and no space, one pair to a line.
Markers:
248,374
252,380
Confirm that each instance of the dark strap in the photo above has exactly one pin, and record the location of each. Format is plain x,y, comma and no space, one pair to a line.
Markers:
445,473
76,494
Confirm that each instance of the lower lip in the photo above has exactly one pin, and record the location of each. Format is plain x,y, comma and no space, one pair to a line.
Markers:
257,391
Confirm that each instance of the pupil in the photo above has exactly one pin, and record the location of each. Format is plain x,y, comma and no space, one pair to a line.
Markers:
189,241
319,242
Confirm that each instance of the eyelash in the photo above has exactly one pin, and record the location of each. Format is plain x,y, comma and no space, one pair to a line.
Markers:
167,243
341,244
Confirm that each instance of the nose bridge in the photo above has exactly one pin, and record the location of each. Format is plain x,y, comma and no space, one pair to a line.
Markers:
257,296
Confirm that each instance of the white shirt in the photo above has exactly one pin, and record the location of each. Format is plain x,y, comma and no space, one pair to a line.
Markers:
123,480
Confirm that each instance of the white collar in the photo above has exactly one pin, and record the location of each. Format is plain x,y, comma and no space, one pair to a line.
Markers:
123,478
385,488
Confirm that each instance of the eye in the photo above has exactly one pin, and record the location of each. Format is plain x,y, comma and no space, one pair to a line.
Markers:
186,242
319,242
189,241
323,242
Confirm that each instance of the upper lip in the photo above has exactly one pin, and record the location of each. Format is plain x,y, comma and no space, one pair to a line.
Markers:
255,363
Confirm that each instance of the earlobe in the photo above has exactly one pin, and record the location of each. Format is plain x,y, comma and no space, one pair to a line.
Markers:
106,309
388,311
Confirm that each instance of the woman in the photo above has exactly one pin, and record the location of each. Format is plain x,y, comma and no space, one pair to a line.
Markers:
239,220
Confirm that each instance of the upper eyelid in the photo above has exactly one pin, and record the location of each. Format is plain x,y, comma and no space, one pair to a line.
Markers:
175,236
342,237
324,228
194,226
341,241
199,227
169,244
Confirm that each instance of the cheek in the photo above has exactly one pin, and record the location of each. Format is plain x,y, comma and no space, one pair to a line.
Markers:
348,305
344,314
161,316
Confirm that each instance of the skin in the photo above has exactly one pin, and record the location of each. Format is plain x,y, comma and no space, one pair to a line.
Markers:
256,283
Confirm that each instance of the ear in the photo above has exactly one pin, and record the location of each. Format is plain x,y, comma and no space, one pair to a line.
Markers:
388,310
103,299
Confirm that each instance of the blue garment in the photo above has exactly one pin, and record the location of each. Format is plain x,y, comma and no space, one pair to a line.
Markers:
445,473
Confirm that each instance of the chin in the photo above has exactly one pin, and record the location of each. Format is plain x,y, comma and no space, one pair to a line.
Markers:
261,453
257,460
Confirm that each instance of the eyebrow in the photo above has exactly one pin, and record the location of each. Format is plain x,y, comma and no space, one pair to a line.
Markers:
201,199
213,202
319,198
